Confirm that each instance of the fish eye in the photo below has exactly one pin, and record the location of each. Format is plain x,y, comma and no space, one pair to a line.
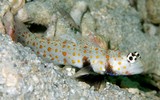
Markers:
131,58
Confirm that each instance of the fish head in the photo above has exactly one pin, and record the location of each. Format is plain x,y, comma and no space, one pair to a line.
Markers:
124,64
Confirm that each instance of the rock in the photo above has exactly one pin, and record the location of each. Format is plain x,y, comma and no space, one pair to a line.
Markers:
150,29
88,24
2,29
141,6
78,10
37,12
16,5
34,78
153,12
149,10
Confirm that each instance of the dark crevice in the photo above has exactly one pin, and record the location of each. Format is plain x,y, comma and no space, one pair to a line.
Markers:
135,81
35,28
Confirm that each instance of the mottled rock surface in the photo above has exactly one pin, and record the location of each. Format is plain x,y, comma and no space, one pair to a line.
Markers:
24,76
149,10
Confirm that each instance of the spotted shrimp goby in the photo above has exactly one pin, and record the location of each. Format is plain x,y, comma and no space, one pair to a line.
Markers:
62,51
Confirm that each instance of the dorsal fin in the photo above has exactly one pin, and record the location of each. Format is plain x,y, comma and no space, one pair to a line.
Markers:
97,40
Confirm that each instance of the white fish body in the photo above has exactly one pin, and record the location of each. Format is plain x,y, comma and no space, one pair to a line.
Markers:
79,54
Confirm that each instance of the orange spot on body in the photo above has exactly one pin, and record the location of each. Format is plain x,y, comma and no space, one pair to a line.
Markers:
127,73
101,62
64,42
12,34
78,61
107,56
84,58
73,62
38,52
100,68
56,57
111,66
124,67
56,50
63,46
48,42
118,68
68,47
40,46
50,55
49,49
48,39
119,54
44,55
96,48
64,61
64,53
52,58
74,44
55,44
74,54
79,54
85,46
119,63
97,57
85,51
